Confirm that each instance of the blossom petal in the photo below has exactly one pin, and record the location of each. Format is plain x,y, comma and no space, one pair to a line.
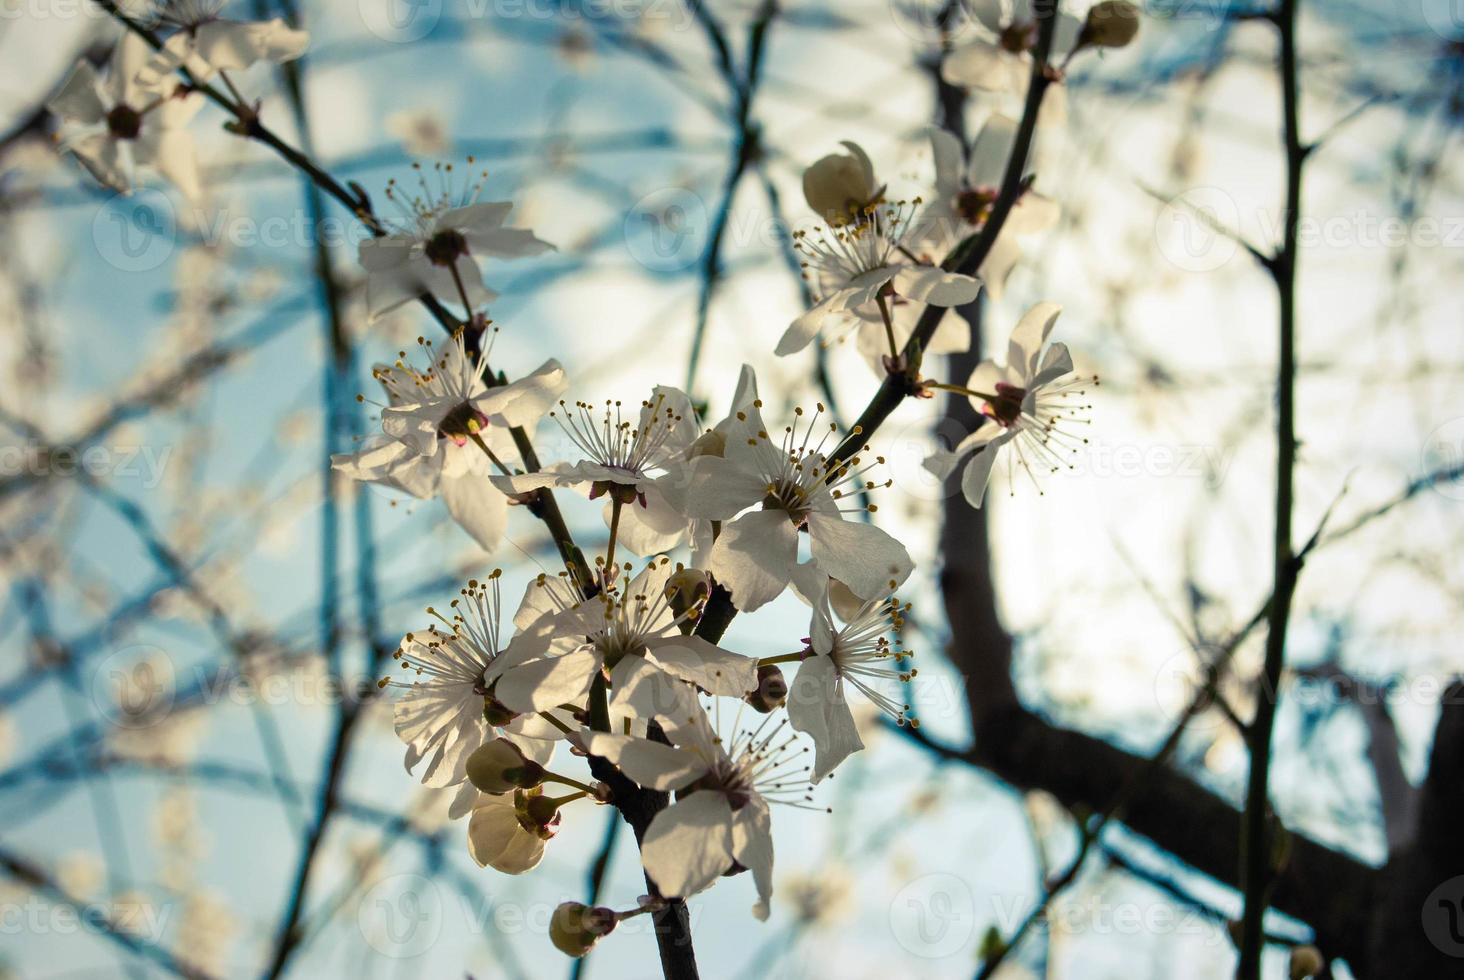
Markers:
718,489
816,706
752,847
1029,336
979,65
754,557
1055,363
173,154
478,508
543,684
988,12
862,556
463,799
105,159
393,464
649,764
991,150
230,44
704,664
496,838
978,473
649,529
946,150
78,99
689,844
524,402
935,286
806,325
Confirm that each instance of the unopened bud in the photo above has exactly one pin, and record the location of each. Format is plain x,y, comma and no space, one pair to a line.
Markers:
576,927
537,813
1110,24
840,185
541,810
772,689
992,945
499,766
1306,961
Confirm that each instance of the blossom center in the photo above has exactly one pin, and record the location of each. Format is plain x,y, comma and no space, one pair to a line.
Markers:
1006,407
124,122
789,497
446,247
1018,37
732,781
461,424
974,204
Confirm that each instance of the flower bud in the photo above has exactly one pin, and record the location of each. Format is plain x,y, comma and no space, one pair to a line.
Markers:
537,813
541,810
1306,961
575,927
499,766
840,185
1110,24
772,689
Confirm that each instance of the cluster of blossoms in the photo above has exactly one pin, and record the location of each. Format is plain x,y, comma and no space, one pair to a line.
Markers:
136,116
608,662
608,658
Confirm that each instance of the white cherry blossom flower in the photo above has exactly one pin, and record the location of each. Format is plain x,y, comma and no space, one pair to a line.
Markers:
854,266
437,424
720,819
640,464
436,248
633,634
767,490
964,193
858,654
506,833
1027,403
999,59
445,713
205,43
118,125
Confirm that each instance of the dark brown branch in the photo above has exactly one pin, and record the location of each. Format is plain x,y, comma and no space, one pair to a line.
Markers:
1258,832
1419,922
